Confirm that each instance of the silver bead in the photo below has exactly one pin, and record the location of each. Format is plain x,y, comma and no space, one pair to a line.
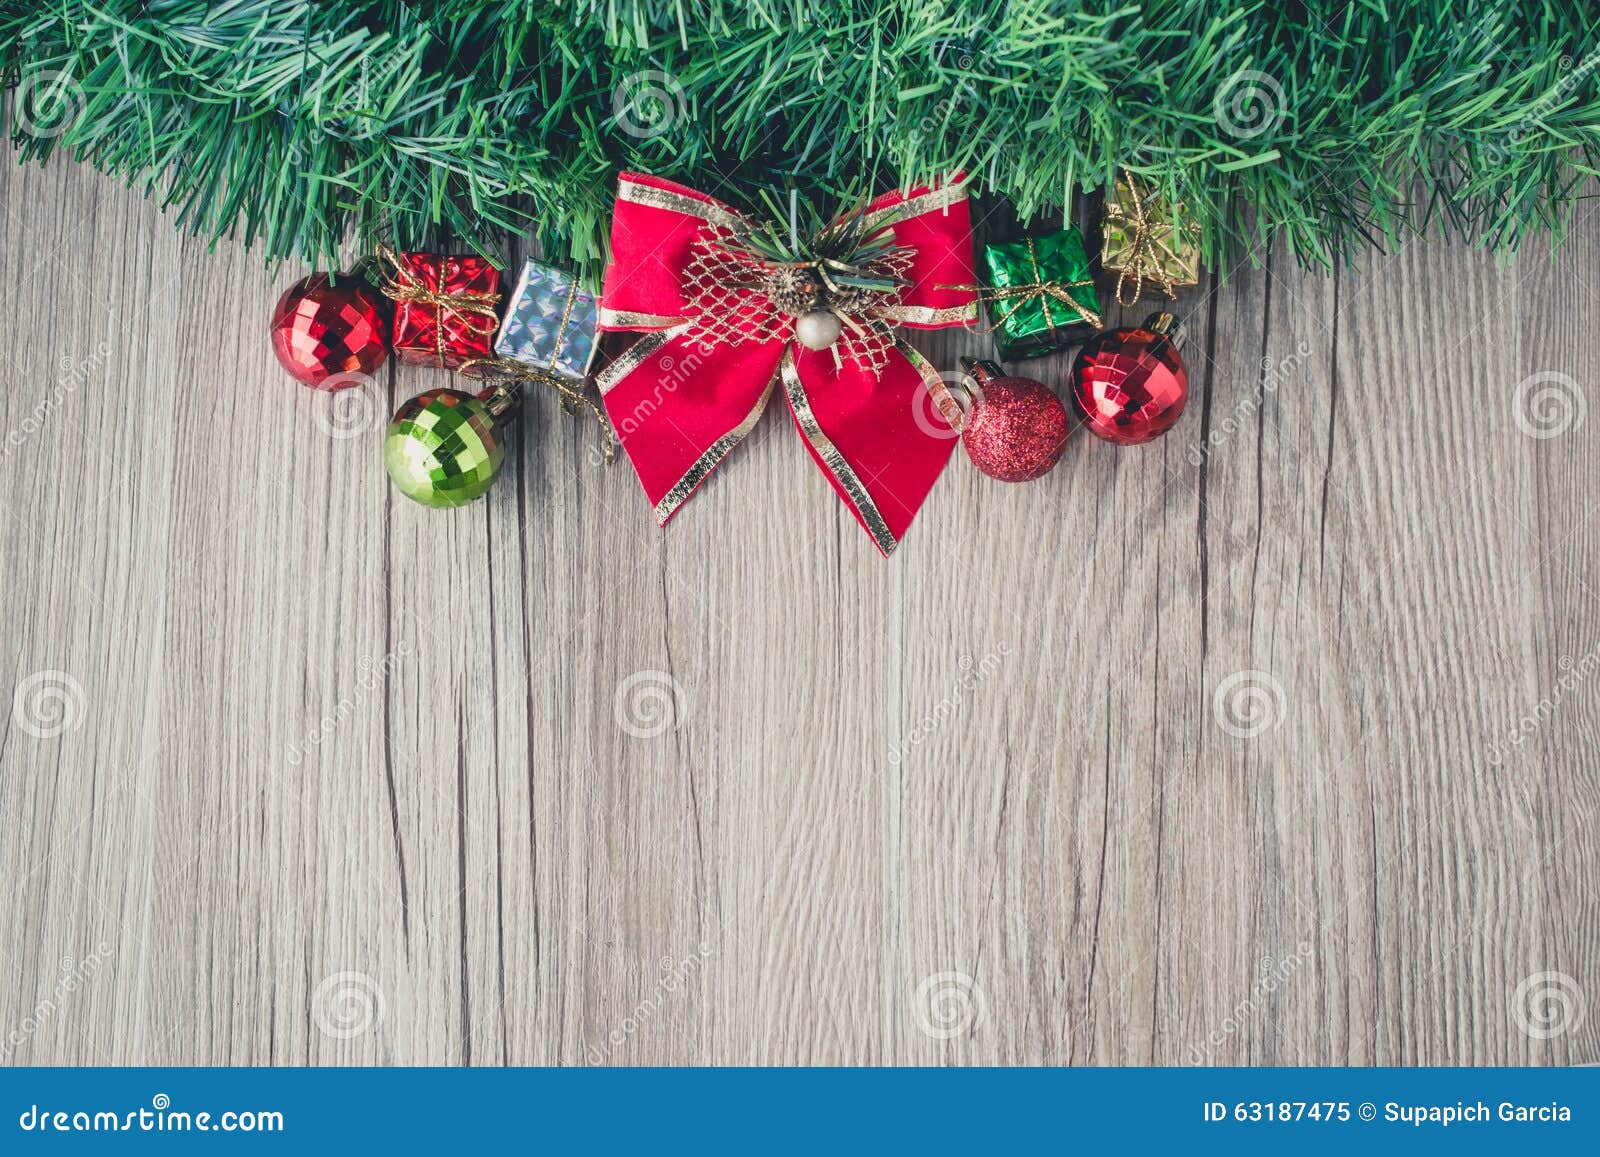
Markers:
817,329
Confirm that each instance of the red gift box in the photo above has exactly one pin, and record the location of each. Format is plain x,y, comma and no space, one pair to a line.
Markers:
444,308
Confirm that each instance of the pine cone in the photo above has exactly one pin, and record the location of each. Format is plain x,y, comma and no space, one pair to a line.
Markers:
793,291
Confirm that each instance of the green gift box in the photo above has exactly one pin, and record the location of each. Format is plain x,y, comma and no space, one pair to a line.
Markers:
1040,294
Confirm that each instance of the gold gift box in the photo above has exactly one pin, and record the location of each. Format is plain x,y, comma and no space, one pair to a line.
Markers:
1146,241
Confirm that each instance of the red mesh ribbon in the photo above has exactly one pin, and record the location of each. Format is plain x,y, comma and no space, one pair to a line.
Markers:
714,349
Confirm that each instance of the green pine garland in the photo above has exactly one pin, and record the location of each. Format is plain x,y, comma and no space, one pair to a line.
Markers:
299,124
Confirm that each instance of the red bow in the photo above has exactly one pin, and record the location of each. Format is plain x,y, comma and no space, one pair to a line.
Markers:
715,347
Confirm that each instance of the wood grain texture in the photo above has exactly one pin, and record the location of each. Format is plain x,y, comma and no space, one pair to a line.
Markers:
1272,742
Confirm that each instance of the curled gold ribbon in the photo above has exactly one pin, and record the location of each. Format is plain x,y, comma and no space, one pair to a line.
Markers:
572,396
1145,244
403,286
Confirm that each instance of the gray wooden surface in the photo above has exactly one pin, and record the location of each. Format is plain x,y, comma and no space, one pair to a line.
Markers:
1279,752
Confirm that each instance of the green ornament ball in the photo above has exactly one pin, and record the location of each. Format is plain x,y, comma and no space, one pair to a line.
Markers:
444,447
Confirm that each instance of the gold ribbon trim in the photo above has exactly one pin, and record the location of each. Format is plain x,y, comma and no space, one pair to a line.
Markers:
938,389
635,356
941,198
404,287
829,454
707,462
1149,241
931,315
654,198
625,319
511,370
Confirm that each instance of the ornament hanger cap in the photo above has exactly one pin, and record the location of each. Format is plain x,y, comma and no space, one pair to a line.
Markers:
982,370
1163,323
500,399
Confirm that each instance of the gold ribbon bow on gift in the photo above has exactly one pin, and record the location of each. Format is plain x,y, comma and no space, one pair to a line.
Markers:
1151,241
403,286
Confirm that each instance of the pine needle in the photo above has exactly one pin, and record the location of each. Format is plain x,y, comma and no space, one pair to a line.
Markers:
300,126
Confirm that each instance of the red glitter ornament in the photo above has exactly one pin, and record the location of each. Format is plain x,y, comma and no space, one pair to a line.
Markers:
1016,428
1130,385
326,331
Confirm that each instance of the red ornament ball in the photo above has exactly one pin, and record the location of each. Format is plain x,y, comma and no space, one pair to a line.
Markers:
327,331
1130,385
1016,428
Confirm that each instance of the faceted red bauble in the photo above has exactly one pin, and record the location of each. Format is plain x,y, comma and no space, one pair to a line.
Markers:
1016,428
1130,385
326,333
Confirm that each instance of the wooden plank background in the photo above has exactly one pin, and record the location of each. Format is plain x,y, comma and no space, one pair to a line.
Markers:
1268,743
